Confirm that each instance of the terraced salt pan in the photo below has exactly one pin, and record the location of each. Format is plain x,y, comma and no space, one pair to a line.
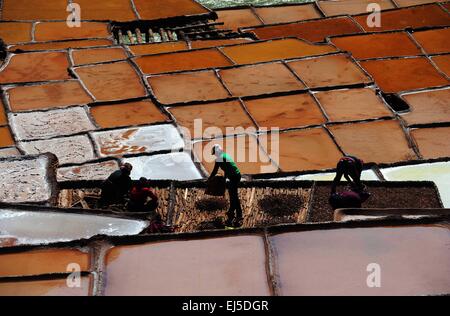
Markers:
427,107
115,10
413,261
127,114
56,287
25,180
443,63
397,75
234,19
260,79
285,111
351,7
74,149
62,45
153,10
378,141
41,227
310,149
216,43
415,17
138,140
438,172
408,3
215,118
93,171
55,31
186,87
244,150
274,50
157,48
114,81
15,32
378,45
434,41
173,166
41,125
352,104
313,31
432,142
193,267
44,96
96,55
33,67
289,13
43,261
324,71
34,10
182,61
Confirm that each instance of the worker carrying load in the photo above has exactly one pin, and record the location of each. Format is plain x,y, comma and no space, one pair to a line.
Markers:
232,173
116,186
348,199
142,197
351,168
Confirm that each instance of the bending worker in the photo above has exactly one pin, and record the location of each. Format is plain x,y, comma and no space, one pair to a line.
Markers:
351,168
116,186
232,173
142,197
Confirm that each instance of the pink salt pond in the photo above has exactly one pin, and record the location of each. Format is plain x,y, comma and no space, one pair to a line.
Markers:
192,267
427,107
378,141
308,149
413,260
352,104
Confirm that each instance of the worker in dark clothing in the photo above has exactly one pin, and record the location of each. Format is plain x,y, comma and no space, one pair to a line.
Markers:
351,168
232,173
348,199
116,186
142,197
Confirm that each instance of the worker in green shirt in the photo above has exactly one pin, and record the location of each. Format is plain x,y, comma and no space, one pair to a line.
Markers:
232,173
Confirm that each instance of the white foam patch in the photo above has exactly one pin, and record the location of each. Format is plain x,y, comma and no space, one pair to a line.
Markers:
32,228
173,166
438,172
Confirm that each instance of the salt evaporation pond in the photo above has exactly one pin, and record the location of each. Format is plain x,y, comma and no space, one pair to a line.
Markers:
438,172
33,228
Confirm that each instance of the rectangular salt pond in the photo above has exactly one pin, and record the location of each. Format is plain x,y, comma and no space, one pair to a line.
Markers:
138,140
438,172
32,228
413,261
